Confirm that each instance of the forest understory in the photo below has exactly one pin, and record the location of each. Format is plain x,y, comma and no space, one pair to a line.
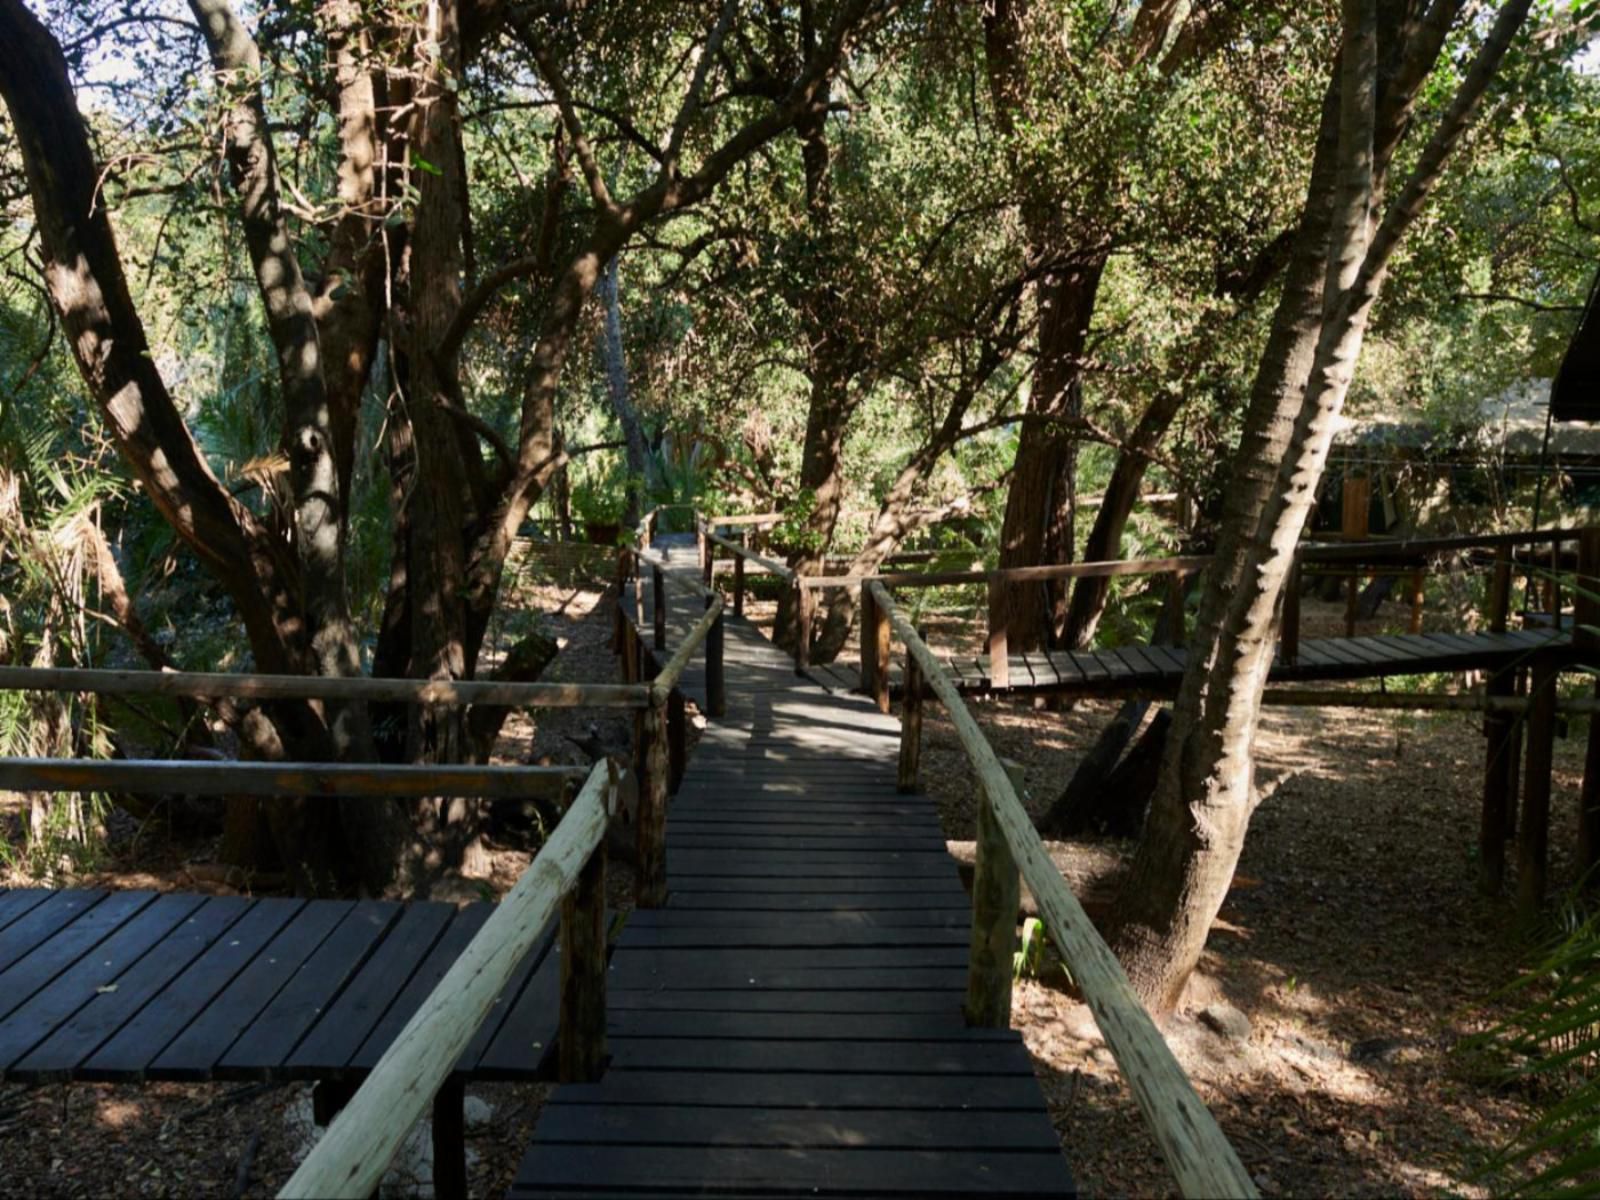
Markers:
1353,943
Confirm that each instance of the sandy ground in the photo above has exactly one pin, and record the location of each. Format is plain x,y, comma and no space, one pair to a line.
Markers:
1353,942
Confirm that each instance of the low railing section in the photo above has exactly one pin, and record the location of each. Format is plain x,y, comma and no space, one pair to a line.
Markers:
1009,850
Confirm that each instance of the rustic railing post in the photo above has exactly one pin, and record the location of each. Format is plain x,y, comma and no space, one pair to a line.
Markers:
708,567
910,727
658,591
1586,637
1500,590
1417,578
449,1131
677,740
996,898
1289,631
878,634
1533,831
582,1040
702,545
738,585
650,876
869,638
999,652
802,621
716,679
1177,587
1357,505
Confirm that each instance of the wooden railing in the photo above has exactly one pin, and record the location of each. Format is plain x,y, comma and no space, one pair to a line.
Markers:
1009,849
569,870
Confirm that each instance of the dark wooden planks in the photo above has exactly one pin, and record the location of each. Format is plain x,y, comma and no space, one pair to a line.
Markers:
813,1172
948,1024
113,1005
33,1021
49,920
524,1045
196,1052
315,983
462,926
18,901
342,1026
88,918
664,1125
506,1002
808,1089
128,1054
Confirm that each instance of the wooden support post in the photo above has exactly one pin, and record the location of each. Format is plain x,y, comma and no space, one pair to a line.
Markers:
738,585
1357,504
1417,577
881,649
803,601
702,546
708,565
910,727
996,899
1289,630
716,678
581,1043
869,640
1500,590
1533,833
650,528
1586,637
1177,587
650,875
658,589
449,1129
999,652
677,740
1499,785
1589,807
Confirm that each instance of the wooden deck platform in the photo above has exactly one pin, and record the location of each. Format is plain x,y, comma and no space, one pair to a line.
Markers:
1157,670
130,986
790,1023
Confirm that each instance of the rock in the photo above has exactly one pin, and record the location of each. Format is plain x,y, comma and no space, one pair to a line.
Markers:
1226,1020
476,1111
1377,1050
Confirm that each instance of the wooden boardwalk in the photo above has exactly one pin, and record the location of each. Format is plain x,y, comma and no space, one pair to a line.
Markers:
131,986
1157,670
790,1023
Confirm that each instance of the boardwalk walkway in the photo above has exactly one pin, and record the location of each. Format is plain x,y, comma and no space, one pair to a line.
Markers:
790,1023
1158,670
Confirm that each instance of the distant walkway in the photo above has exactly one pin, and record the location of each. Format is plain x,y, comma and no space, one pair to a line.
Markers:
790,1023
1159,669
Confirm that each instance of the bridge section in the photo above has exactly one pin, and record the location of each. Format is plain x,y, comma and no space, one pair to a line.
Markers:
790,1022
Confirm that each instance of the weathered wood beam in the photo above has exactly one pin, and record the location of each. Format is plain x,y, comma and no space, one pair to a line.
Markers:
181,777
216,685
1199,1156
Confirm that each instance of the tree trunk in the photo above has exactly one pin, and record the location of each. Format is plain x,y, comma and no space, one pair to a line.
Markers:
1036,503
1202,806
640,476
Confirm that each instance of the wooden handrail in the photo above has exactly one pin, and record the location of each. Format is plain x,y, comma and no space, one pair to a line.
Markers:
670,673
1200,1157
1111,567
775,568
210,685
771,518
352,1156
204,778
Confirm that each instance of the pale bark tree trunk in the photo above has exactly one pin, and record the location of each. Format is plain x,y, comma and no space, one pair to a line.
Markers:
1201,809
640,475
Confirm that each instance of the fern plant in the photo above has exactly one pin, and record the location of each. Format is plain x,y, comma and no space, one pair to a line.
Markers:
1552,1042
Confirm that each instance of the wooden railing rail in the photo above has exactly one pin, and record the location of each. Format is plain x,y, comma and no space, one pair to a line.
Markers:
661,730
569,870
766,564
1195,1149
217,685
922,579
202,778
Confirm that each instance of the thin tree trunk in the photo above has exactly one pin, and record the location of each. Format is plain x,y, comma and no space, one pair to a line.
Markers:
1202,805
640,479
